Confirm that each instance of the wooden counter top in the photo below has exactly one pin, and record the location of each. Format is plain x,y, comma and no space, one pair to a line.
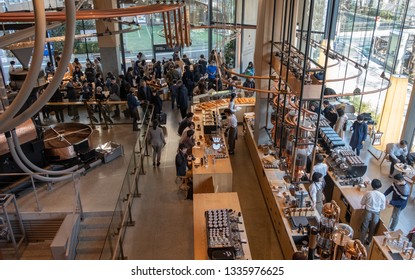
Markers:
380,252
268,178
221,171
203,202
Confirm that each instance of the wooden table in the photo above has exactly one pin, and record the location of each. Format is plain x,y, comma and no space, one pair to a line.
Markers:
204,202
400,168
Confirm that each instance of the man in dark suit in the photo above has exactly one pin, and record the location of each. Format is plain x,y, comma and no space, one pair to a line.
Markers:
183,100
144,96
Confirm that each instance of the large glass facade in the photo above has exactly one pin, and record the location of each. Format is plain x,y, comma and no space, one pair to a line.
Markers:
376,34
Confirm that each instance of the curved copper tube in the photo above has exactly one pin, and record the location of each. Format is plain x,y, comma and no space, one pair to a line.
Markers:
294,120
92,14
255,89
247,76
361,93
222,27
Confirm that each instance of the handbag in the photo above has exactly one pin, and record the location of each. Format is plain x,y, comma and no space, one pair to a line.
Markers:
114,97
345,126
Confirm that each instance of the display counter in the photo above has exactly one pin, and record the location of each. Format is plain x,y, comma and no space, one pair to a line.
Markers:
205,202
381,249
217,164
243,104
210,96
273,188
348,198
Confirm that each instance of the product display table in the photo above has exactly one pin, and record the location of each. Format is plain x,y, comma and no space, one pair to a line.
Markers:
212,201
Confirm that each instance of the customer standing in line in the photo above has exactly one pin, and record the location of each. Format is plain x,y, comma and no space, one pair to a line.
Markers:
341,123
232,128
373,201
133,105
155,138
316,191
359,135
183,99
399,200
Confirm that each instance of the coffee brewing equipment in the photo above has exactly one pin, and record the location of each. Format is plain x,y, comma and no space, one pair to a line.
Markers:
346,164
223,234
342,234
355,250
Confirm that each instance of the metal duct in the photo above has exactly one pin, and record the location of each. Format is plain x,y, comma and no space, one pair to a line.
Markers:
33,73
33,166
27,170
57,78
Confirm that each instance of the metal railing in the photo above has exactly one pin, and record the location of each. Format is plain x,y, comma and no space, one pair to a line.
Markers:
122,218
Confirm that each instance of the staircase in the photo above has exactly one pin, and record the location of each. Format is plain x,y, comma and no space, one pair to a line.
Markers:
92,236
37,251
40,233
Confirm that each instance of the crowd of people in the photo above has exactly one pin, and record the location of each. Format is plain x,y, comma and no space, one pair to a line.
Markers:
184,78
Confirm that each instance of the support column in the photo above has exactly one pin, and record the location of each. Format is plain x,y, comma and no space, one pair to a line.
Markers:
262,62
408,131
109,45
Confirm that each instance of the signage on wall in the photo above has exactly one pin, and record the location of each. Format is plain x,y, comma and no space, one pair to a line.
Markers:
164,48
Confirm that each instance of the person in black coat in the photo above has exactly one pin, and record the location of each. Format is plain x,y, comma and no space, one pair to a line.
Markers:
181,160
58,97
188,80
133,105
157,103
157,70
183,99
174,89
359,135
203,64
129,77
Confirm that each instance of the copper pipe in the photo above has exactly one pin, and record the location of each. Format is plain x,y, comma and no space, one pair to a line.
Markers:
186,27
255,89
181,35
222,26
176,36
165,29
169,25
92,14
